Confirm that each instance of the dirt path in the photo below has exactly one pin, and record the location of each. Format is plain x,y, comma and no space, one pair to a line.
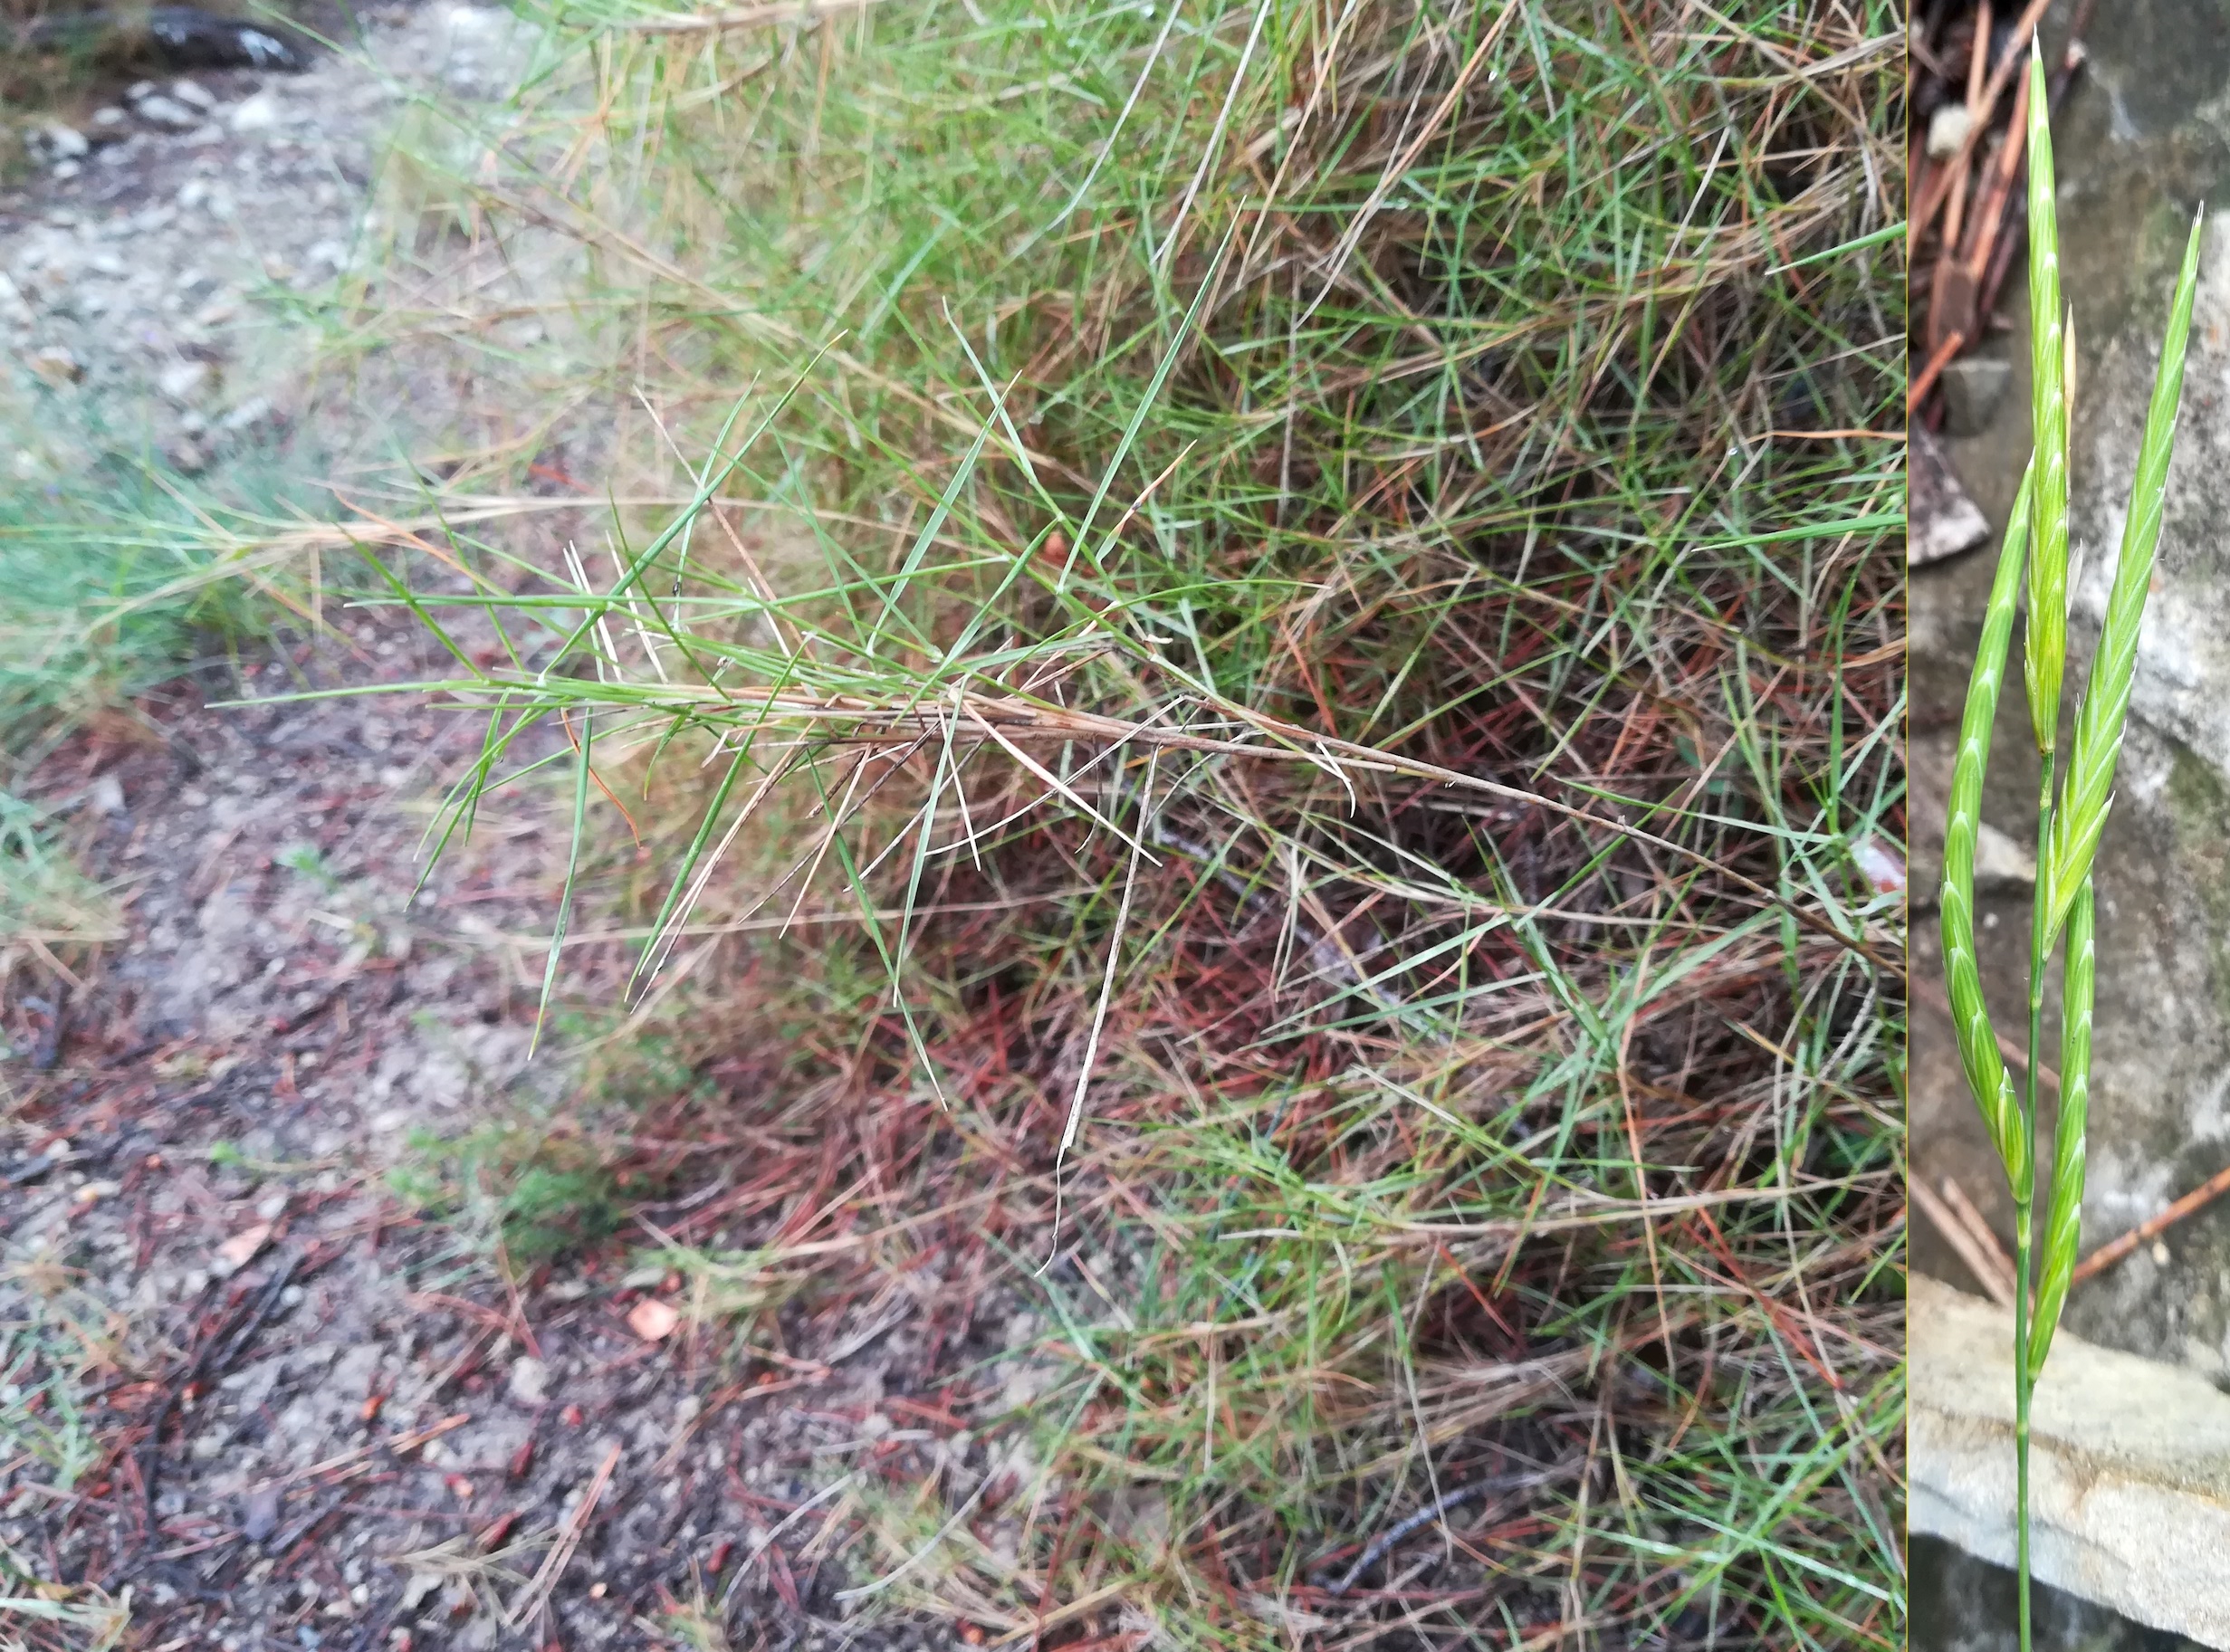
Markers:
318,1421
154,273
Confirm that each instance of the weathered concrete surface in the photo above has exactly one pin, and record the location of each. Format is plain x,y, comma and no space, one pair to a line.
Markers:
2143,139
2130,1464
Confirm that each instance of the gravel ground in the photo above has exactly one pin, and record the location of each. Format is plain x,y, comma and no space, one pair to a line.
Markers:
154,271
315,1419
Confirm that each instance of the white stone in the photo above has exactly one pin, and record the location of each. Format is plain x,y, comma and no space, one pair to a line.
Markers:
529,1381
2130,1464
59,143
253,410
57,366
1946,130
2001,864
183,380
259,113
192,94
167,111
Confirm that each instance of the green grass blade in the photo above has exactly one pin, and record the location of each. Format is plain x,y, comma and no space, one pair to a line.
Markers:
582,774
1978,1052
2064,1223
2043,654
1152,397
2097,745
680,880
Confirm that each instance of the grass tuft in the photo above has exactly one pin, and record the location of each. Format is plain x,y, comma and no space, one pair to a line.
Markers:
1254,649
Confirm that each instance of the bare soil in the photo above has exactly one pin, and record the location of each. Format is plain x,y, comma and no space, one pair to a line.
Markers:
320,1421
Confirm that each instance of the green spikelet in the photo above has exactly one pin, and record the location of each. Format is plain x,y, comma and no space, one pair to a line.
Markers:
2096,747
1985,1068
2064,1222
2043,651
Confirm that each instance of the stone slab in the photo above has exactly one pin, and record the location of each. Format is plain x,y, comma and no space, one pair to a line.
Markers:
2130,1464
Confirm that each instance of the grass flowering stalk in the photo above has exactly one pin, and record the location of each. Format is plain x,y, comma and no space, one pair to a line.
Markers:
2071,803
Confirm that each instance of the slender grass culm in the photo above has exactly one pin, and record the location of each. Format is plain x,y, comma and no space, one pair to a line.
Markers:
2071,819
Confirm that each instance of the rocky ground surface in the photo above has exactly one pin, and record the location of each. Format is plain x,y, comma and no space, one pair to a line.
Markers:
156,269
253,1398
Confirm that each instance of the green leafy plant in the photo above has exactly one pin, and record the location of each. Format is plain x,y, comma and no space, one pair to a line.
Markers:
537,1194
2071,812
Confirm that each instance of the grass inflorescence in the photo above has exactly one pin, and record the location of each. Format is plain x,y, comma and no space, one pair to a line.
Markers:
2072,804
1273,654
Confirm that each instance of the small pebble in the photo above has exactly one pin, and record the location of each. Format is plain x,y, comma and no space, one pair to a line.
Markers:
59,143
57,367
167,111
529,1381
183,380
1947,129
259,1516
259,113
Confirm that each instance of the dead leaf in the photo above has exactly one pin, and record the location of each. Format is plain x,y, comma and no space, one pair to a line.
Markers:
241,1248
652,1319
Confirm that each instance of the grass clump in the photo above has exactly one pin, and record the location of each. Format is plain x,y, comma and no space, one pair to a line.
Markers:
113,581
530,1195
2071,812
1254,645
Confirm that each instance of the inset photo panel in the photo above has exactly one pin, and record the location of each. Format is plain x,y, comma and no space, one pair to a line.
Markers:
2069,1074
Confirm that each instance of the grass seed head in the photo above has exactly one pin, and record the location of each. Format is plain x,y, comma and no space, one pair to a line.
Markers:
2096,746
2064,1221
2044,644
1970,1013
